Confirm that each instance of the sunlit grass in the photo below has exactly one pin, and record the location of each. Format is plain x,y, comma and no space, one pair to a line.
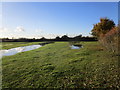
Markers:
57,65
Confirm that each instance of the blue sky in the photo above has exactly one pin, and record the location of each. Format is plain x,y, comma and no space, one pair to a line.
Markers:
49,19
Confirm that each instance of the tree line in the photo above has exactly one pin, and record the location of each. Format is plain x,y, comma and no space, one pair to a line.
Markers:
63,38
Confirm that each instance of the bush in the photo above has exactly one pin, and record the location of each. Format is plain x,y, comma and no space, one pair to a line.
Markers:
111,39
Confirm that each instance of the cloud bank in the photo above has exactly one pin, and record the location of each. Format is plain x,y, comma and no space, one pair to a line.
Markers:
20,29
3,29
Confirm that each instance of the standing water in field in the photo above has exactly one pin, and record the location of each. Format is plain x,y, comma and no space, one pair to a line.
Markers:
13,51
76,47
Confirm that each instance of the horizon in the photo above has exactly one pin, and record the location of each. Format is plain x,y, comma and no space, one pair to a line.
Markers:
51,19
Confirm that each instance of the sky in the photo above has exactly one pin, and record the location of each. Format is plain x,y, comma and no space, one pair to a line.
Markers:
51,19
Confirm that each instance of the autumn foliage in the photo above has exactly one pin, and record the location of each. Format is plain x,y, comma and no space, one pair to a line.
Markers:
104,26
108,34
111,40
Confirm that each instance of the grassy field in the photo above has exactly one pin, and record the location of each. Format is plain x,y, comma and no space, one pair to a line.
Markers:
56,65
8,45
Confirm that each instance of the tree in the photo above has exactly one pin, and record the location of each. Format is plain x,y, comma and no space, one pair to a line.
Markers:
57,38
78,37
43,38
104,26
64,37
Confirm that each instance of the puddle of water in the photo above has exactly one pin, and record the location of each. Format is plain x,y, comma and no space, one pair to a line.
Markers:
75,47
14,51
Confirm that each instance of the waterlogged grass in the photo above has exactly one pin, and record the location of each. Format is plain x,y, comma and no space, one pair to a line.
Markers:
8,45
56,65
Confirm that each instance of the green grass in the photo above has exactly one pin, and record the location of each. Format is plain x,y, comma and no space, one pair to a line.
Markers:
56,65
8,45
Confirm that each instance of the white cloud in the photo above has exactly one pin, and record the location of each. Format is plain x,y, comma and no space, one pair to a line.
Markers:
39,30
3,29
19,29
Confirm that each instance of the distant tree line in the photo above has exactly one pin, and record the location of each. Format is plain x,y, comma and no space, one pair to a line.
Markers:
63,38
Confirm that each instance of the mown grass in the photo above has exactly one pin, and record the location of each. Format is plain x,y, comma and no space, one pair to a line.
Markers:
56,65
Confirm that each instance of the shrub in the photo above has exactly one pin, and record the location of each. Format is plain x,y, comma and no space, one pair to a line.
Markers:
111,39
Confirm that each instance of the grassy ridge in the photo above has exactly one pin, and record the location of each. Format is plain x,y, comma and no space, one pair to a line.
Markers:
56,65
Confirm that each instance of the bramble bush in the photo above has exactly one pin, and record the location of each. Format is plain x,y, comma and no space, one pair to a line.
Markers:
111,40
